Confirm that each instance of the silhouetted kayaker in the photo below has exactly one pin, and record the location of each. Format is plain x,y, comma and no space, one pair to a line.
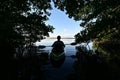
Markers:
57,55
58,46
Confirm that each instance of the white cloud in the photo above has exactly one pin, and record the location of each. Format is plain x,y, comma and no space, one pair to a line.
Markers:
62,35
65,30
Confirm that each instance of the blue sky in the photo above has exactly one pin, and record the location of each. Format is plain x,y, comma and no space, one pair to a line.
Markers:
63,25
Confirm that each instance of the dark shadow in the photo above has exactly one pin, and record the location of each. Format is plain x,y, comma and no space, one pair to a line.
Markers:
93,67
29,68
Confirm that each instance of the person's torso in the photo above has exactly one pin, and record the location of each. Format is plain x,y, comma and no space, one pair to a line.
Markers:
58,46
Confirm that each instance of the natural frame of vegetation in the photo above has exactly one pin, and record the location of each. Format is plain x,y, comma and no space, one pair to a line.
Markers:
23,22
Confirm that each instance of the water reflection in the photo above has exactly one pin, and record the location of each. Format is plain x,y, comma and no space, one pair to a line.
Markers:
58,68
29,68
80,66
92,66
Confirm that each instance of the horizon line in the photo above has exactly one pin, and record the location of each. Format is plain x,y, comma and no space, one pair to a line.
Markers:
61,38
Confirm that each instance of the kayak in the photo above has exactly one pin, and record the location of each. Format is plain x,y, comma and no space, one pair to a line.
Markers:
57,59
57,53
56,56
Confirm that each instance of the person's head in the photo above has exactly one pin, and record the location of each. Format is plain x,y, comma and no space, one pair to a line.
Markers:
58,37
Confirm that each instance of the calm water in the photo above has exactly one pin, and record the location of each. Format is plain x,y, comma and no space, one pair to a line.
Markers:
66,67
82,67
69,49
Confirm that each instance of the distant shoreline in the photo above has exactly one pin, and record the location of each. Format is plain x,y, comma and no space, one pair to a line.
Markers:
61,38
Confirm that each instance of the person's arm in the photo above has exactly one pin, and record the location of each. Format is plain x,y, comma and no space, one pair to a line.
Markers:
63,44
53,45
